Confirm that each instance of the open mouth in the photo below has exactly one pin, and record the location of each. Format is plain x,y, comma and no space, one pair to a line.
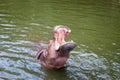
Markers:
64,47
60,40
60,33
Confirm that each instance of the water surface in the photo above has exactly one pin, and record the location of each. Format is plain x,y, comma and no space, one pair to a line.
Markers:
95,28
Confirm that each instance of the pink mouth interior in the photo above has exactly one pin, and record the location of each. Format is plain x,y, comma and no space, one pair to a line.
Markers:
59,40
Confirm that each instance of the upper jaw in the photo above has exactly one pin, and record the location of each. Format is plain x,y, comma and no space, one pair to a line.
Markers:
60,36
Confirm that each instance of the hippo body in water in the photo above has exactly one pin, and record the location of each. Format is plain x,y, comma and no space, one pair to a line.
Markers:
57,52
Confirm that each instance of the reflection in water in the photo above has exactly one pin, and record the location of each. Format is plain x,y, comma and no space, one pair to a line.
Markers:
95,28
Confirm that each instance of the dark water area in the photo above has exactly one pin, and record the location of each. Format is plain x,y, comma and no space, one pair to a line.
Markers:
95,26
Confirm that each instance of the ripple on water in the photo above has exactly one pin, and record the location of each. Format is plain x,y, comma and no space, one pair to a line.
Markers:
17,42
18,70
83,65
115,67
16,67
4,36
7,25
17,61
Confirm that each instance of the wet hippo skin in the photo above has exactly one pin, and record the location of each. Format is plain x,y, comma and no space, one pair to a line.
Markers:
58,50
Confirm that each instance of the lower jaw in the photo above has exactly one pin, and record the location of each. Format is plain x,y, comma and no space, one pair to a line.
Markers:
57,45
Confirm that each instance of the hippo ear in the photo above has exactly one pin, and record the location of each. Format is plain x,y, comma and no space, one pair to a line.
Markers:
66,48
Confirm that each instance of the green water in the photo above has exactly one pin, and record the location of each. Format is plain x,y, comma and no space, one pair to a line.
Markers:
95,26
